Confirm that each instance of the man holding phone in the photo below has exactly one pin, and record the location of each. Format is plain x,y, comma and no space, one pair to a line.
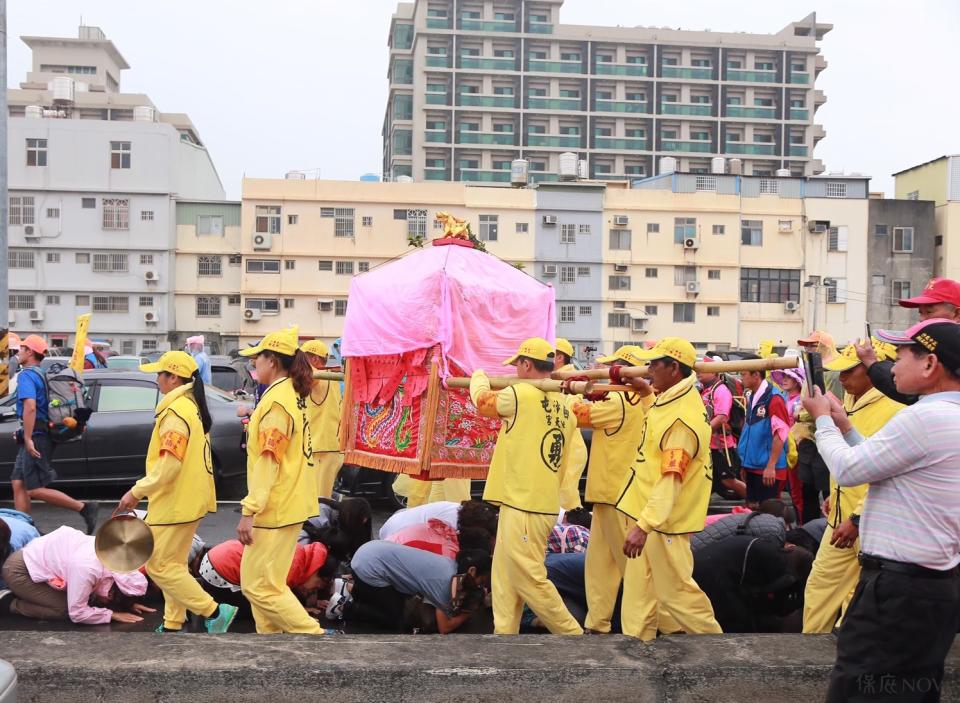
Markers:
763,440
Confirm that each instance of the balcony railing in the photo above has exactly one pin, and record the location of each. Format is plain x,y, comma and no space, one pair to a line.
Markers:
620,69
436,174
439,61
438,23
798,150
619,106
489,25
626,143
539,27
538,103
506,138
442,137
475,100
488,64
693,72
753,149
438,99
751,76
798,114
477,175
567,141
801,78
685,109
541,66
688,146
755,113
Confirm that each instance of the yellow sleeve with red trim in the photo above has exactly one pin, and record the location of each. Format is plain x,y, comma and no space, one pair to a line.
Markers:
275,429
607,413
678,447
174,435
662,499
502,404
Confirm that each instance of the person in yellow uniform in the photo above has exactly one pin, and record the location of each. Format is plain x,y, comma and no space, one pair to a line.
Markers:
323,414
616,422
667,496
524,480
281,485
179,488
577,456
836,570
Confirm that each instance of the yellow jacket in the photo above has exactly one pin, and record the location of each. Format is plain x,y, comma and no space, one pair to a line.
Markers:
323,414
617,425
868,415
575,462
675,427
537,429
281,476
179,479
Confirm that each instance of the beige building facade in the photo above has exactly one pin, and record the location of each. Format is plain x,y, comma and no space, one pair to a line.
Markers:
937,180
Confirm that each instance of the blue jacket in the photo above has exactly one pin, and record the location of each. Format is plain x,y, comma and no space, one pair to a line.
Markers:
756,438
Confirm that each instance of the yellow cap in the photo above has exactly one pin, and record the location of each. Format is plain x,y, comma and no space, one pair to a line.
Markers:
672,347
280,342
534,348
179,363
848,357
628,352
564,347
315,346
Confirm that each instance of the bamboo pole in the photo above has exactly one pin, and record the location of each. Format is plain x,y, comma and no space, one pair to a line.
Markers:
771,364
546,384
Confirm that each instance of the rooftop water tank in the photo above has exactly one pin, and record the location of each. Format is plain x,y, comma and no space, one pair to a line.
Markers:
668,164
295,176
404,179
718,164
63,89
33,111
783,173
568,166
370,178
736,166
519,172
583,169
144,113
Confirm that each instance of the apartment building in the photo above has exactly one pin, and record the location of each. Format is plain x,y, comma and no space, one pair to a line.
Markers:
938,181
475,84
93,177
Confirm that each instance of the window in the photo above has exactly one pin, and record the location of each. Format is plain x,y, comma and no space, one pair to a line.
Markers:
210,266
901,290
293,219
81,301
837,291
288,303
713,311
397,214
36,152
208,306
149,345
902,239
210,225
568,234
366,221
111,303
568,313
584,229
146,259
268,306
339,308
146,215
20,259
363,266
119,154
650,310
619,304
880,230
268,219
329,212
682,275
684,227
586,310
620,239
344,268
261,266
233,300
619,282
146,301
488,228
751,233
618,319
343,221
111,263
53,257
21,301
684,312
88,203
713,274
938,240
913,195
568,274
836,190
785,225
650,272
769,285
236,259
116,213
114,399
653,228
326,265
289,265
523,227
81,258
21,210
837,239
437,224
706,183
719,229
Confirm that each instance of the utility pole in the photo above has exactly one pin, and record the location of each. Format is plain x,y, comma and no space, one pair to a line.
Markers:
4,202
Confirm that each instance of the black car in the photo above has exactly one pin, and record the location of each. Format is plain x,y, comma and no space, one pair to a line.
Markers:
113,449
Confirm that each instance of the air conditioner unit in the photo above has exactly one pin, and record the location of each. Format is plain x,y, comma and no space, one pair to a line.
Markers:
549,270
791,306
693,287
262,241
620,220
152,276
549,219
36,316
785,226
620,268
30,231
691,243
150,316
252,314
818,227
324,305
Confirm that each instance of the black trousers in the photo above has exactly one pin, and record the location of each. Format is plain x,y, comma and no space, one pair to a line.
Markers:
815,477
894,638
382,606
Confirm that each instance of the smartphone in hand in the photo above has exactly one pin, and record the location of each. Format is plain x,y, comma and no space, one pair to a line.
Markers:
813,365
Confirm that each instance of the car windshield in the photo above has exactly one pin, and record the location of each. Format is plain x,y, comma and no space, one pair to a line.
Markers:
115,399
123,363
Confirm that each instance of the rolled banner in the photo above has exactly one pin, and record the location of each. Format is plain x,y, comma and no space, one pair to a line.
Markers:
83,323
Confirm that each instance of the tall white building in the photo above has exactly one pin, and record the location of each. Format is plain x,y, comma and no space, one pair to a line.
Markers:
94,176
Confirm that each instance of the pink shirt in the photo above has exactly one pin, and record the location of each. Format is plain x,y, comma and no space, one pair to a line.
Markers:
722,400
779,418
434,536
65,560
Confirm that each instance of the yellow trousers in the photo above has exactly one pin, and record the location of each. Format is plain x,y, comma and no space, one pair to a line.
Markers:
830,586
263,579
604,564
328,466
168,569
453,489
519,575
661,580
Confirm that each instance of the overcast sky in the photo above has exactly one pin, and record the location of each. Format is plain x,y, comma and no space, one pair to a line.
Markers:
301,84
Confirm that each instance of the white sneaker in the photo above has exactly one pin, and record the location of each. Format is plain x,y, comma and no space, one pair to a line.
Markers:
341,596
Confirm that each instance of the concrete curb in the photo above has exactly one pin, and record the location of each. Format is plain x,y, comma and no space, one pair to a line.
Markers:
91,667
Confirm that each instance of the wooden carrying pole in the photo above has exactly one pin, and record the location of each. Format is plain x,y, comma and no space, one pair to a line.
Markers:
499,382
771,364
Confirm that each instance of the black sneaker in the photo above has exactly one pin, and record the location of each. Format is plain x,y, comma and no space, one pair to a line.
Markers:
89,515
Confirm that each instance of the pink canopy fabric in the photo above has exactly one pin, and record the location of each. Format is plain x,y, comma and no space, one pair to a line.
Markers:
475,306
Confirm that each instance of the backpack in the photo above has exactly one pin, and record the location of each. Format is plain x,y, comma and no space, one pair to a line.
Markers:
67,403
738,409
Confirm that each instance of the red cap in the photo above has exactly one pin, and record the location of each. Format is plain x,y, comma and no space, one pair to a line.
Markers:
35,343
938,290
